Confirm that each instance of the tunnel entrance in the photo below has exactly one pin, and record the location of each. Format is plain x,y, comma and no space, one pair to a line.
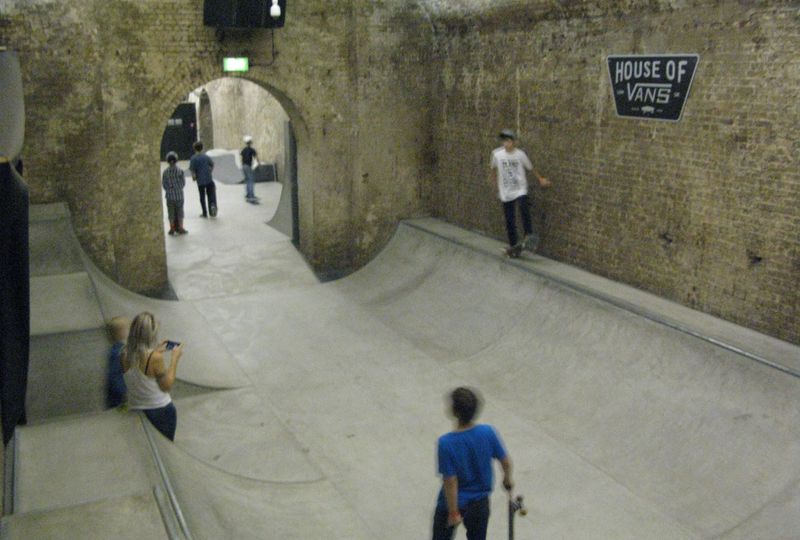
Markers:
246,132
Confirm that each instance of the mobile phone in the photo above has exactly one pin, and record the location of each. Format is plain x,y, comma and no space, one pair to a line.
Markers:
172,344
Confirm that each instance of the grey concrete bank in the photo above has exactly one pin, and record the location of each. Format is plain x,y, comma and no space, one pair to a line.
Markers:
626,417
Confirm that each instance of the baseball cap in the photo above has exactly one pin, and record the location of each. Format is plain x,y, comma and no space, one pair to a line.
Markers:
507,134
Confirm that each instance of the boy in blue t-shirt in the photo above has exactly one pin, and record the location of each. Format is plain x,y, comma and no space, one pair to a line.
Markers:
465,463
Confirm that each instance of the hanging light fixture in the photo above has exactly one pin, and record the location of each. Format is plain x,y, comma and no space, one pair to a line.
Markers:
275,10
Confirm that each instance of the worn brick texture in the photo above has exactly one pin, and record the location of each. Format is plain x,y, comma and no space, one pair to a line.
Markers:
103,76
703,211
396,104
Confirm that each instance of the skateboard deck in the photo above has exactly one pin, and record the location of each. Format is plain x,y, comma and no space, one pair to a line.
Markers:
515,504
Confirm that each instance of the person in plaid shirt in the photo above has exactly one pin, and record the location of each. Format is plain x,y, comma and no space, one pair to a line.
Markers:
173,179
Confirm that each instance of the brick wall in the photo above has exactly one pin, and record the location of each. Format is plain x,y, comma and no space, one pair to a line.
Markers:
703,211
103,76
396,106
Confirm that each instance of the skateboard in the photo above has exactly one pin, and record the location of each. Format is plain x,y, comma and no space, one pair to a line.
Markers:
515,505
513,252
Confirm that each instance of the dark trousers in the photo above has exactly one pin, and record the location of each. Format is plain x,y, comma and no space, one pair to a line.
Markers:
509,209
164,420
476,520
211,191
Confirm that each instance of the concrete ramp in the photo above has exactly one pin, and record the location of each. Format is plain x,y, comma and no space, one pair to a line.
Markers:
81,460
123,518
704,434
281,220
226,167
235,432
207,362
217,504
627,417
69,294
89,476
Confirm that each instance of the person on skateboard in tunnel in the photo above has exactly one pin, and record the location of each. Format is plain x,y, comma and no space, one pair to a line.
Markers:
249,160
465,462
508,166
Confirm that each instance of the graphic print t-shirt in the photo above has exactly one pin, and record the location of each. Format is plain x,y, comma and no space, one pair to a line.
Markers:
511,168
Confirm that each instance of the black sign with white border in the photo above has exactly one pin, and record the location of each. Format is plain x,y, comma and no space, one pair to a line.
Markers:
653,87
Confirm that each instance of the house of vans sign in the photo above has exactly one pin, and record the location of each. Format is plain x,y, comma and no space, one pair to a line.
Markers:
651,87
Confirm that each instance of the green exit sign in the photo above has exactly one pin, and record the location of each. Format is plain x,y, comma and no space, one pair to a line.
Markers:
240,64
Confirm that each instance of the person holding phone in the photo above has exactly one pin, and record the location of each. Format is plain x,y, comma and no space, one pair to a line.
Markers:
147,375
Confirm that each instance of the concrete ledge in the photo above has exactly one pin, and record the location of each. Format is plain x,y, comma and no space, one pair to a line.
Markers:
754,345
123,518
64,303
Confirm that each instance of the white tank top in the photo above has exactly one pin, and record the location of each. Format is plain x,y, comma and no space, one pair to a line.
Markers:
143,391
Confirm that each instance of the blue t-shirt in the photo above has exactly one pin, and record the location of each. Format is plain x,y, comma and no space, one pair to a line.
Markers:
201,165
468,456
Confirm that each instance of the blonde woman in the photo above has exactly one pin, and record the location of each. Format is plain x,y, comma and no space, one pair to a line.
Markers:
147,375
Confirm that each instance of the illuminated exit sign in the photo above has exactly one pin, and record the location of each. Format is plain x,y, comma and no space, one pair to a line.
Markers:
234,64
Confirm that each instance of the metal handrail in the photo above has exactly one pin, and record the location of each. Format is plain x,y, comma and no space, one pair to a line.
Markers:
173,500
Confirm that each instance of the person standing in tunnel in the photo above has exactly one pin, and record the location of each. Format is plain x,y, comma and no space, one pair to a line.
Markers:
508,166
201,167
249,155
173,181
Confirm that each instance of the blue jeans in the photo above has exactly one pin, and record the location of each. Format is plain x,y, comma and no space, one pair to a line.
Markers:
476,520
249,181
164,419
211,191
509,210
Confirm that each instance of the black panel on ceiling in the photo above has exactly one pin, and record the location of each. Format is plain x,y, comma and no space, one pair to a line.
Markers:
242,14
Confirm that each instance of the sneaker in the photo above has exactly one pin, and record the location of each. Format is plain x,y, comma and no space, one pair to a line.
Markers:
203,215
183,231
531,243
171,232
213,211
514,252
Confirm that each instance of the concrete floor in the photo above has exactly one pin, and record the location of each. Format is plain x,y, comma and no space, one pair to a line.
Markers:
330,396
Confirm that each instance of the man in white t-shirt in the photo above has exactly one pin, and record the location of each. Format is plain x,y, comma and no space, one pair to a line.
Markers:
509,164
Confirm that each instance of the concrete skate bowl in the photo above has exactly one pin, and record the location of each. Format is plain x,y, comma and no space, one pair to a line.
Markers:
57,255
212,365
619,427
704,436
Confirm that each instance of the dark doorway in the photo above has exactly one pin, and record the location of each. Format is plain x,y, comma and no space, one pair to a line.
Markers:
291,181
181,132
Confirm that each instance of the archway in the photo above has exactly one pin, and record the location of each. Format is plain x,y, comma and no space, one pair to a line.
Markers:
228,110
